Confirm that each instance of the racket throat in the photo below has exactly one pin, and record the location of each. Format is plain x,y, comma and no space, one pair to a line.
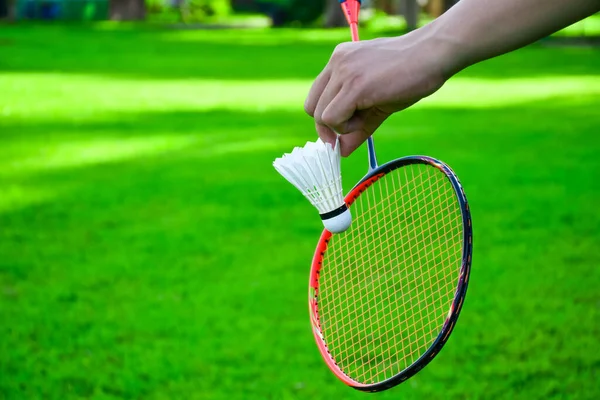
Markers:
372,157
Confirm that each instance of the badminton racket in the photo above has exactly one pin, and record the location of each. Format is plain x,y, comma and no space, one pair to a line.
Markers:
385,295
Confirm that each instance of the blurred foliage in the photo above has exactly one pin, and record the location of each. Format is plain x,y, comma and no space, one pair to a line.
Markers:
280,12
291,12
200,10
189,11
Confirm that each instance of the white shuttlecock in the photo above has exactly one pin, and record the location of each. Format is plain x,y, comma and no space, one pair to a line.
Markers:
315,170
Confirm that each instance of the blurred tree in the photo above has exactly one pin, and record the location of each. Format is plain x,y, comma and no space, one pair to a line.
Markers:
387,6
334,17
12,10
244,5
291,12
435,8
410,10
449,3
127,10
8,10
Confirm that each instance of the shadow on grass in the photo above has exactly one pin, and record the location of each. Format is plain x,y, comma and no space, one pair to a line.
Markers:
194,182
225,147
230,54
173,264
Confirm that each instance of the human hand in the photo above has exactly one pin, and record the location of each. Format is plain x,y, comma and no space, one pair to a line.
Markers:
365,82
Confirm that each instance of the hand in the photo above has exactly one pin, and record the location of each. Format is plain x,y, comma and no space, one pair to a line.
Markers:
365,82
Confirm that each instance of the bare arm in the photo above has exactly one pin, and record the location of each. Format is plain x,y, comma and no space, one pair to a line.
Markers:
482,29
365,82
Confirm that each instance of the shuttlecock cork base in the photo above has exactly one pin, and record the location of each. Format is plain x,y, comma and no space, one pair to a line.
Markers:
315,170
338,220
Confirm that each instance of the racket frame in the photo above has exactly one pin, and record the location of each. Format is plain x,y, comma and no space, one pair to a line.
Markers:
373,176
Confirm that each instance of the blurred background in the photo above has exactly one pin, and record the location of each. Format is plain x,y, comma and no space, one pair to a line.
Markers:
149,250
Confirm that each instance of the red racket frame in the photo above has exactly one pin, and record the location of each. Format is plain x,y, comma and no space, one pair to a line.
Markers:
461,287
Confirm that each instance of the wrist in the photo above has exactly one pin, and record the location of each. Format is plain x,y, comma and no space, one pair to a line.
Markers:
450,50
439,56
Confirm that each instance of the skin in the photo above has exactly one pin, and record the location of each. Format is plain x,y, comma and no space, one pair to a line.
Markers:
365,82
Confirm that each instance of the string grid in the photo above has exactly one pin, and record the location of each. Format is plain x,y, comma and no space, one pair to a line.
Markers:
386,285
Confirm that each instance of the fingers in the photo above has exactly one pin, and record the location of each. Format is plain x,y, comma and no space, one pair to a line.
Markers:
362,125
326,134
333,102
352,141
316,91
334,112
340,110
327,122
329,93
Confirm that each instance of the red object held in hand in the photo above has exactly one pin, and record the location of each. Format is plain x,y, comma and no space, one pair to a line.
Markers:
351,9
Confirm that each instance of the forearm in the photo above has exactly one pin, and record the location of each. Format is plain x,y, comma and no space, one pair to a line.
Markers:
365,82
476,30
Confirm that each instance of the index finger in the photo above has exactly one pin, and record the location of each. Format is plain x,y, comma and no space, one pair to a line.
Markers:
340,110
316,91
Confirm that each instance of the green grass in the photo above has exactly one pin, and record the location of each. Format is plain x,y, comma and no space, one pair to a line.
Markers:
148,249
587,27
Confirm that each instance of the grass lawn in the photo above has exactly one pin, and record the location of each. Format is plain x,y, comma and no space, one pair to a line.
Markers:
149,250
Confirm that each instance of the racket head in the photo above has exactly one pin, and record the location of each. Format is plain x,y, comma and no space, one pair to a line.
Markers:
322,299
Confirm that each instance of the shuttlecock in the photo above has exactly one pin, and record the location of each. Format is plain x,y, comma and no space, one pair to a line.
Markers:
315,170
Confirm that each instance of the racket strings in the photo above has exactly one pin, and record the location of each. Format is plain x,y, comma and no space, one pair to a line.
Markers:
406,285
386,281
384,315
339,271
368,238
386,285
383,266
419,321
416,277
391,204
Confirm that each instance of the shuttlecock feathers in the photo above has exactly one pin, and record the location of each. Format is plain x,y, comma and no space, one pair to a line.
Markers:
315,171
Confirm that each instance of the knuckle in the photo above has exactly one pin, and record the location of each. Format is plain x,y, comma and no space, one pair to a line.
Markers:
356,80
330,120
319,119
340,52
309,108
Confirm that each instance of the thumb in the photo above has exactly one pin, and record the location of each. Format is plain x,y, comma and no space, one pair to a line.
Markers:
358,129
